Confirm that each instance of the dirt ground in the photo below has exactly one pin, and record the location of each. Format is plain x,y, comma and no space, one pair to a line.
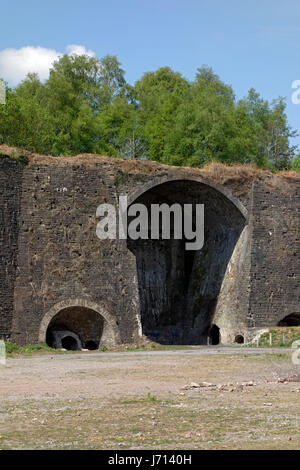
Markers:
145,400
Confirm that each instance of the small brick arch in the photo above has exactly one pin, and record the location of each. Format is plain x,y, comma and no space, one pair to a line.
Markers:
293,319
158,180
110,336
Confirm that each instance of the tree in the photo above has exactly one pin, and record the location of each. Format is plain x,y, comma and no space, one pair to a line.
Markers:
25,120
269,131
203,123
86,106
81,90
158,95
296,163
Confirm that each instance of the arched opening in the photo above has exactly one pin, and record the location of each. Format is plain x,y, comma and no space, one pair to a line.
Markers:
75,327
178,288
91,345
290,320
70,343
214,335
239,339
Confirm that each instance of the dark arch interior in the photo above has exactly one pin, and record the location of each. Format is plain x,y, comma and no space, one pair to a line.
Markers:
214,335
178,289
291,320
70,343
85,323
91,345
239,339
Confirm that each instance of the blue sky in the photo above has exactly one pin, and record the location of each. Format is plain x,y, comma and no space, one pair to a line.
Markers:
248,43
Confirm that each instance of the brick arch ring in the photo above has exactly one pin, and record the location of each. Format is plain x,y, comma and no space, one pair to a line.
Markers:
158,180
110,335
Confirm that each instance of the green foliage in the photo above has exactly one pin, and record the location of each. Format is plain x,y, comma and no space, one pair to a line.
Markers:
268,130
281,337
296,163
159,95
86,106
151,398
16,156
12,349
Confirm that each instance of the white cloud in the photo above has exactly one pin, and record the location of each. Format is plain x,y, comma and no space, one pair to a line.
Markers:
15,64
79,50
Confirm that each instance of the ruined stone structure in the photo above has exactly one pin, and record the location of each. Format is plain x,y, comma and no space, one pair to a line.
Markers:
59,283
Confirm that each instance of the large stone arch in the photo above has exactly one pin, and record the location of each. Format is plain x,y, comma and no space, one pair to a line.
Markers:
158,180
221,208
110,334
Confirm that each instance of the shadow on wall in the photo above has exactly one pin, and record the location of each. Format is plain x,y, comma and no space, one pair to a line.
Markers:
178,289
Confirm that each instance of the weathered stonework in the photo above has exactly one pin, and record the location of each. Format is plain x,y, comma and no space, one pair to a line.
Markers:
54,270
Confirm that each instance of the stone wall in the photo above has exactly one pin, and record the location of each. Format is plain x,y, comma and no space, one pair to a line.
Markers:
59,255
10,199
51,257
275,254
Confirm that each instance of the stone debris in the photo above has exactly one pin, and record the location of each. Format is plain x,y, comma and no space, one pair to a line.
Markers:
248,384
289,378
229,387
197,385
239,387
194,385
226,387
